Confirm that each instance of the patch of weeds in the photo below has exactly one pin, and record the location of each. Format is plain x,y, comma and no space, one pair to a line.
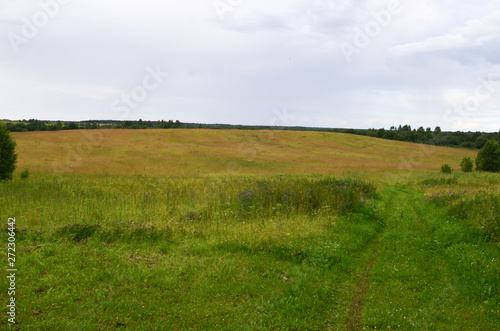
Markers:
291,253
192,223
456,202
444,198
132,230
440,181
25,174
20,234
285,196
192,217
246,199
481,207
78,232
459,210
492,228
323,254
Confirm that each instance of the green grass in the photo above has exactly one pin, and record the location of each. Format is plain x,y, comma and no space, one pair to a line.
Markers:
49,201
260,266
182,246
434,272
283,252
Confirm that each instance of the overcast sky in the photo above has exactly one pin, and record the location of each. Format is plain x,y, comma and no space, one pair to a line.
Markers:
356,64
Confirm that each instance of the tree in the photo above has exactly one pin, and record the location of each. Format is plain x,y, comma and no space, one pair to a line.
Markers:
480,142
488,158
8,156
467,164
71,126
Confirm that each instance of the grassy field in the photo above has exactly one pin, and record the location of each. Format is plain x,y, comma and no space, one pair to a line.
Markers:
181,229
201,152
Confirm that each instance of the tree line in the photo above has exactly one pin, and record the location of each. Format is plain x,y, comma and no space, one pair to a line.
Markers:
472,140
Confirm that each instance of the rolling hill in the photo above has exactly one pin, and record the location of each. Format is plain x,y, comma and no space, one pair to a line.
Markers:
191,152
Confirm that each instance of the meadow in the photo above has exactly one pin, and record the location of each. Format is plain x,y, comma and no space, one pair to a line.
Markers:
248,230
185,152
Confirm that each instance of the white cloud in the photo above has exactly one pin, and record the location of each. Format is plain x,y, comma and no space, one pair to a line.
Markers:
474,33
264,54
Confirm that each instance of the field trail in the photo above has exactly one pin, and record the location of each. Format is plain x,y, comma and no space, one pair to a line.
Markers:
355,316
409,276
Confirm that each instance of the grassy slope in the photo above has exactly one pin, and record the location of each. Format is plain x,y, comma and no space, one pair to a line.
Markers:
191,152
401,263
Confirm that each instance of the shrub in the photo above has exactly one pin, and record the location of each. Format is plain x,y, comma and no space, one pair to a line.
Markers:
446,169
467,164
25,173
488,158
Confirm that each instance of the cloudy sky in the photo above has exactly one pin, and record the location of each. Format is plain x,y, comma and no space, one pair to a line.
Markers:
337,63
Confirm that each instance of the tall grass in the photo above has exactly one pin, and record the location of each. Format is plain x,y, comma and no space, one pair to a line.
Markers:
474,198
236,253
47,202
214,252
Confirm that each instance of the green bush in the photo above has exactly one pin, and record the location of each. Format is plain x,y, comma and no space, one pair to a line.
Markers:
446,169
25,173
467,164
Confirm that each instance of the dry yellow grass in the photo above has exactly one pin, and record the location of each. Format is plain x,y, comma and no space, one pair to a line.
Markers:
200,152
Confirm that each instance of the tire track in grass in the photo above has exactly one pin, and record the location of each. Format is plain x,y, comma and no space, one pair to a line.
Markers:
355,315
415,284
411,285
